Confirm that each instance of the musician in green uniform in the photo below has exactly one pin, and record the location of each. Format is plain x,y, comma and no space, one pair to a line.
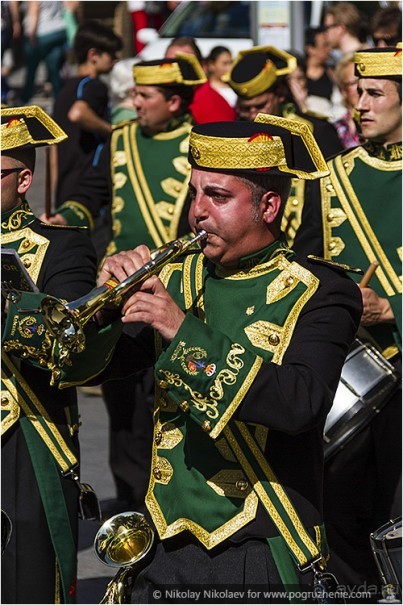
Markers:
39,447
141,177
248,345
258,76
354,216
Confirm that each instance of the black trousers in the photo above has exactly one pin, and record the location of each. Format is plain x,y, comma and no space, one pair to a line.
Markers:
180,568
129,403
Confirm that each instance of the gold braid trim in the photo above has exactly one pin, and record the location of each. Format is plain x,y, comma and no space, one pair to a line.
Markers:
376,65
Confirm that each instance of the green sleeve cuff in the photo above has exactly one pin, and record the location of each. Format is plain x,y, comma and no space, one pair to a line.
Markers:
206,374
76,214
25,336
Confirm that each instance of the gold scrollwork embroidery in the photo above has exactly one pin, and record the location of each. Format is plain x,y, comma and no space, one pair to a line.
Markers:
200,402
28,326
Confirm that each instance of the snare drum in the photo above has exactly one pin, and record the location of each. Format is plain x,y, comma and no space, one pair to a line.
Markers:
386,544
366,383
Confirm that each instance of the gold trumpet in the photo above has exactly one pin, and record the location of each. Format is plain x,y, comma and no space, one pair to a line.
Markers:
122,541
66,321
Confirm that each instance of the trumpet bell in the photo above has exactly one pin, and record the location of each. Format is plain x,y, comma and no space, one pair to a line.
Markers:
124,539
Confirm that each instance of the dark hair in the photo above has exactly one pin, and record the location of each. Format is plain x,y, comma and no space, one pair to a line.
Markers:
187,41
216,52
260,183
94,34
387,18
311,33
185,93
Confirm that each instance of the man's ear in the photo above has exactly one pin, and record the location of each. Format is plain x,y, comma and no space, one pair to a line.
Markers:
272,206
174,103
24,181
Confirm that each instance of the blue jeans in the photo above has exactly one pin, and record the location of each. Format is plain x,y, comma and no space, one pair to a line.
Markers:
51,49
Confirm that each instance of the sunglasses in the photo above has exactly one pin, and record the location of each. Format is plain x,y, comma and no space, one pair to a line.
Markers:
7,171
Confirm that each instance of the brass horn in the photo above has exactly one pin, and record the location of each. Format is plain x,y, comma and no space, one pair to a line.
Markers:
66,321
122,541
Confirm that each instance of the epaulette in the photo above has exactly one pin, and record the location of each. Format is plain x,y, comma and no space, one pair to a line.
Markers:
122,124
71,227
332,264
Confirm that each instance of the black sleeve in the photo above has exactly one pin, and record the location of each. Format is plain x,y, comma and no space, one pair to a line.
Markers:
327,138
95,93
296,395
309,238
69,269
95,189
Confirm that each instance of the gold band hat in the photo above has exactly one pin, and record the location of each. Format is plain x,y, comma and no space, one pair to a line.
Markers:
255,70
28,126
272,144
379,62
183,70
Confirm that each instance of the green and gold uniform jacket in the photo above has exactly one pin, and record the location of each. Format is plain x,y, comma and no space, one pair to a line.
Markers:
354,216
39,423
256,346
144,178
329,144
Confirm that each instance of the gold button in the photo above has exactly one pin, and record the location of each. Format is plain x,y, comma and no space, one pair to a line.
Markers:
362,66
329,188
331,246
56,374
26,243
289,281
346,164
274,339
157,473
195,153
4,400
26,262
158,437
184,406
6,348
206,426
162,384
330,217
170,210
242,485
295,202
177,188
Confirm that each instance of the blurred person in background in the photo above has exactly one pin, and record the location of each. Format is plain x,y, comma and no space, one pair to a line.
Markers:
45,39
214,101
386,26
82,110
320,83
347,81
184,44
346,28
121,88
10,29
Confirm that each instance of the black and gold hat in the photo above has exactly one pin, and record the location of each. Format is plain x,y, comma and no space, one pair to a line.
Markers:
257,69
379,62
183,70
270,143
28,127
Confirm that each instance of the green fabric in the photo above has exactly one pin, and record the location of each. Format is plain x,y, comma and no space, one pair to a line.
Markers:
150,177
356,232
48,479
76,214
285,566
211,375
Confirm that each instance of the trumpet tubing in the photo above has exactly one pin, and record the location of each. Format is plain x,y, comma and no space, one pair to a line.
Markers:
66,321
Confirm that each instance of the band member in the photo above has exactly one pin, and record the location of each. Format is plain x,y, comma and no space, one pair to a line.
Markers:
259,77
39,446
354,216
247,342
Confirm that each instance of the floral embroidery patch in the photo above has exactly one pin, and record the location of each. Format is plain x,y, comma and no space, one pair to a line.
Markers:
29,326
193,360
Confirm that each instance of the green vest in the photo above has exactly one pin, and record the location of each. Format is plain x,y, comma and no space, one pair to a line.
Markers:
362,221
202,378
150,177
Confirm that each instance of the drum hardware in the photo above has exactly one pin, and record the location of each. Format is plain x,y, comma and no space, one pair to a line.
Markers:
386,545
66,321
366,383
122,541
